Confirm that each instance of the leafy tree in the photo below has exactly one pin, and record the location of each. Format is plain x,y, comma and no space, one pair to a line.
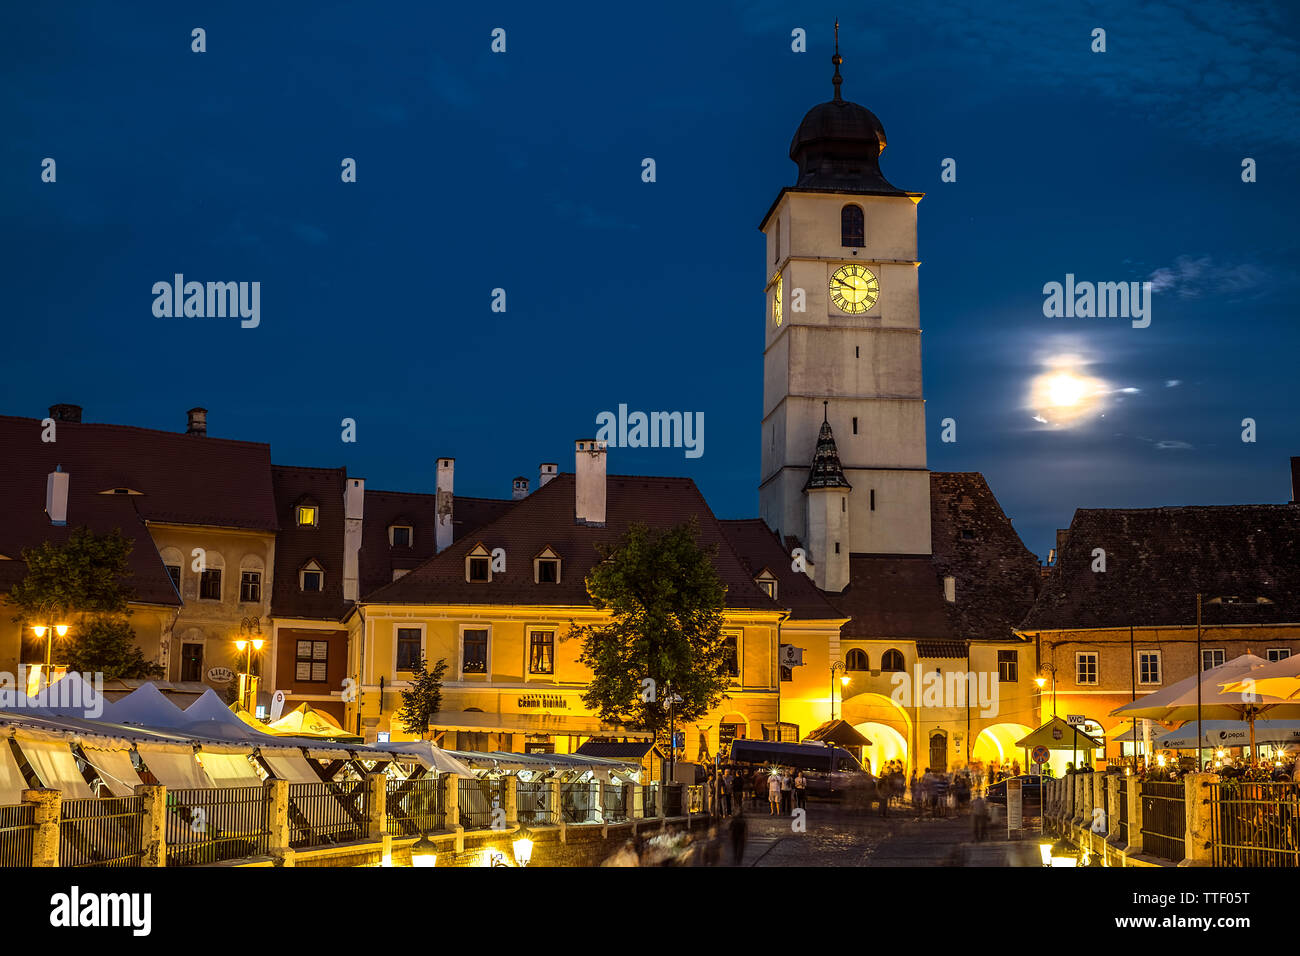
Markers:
107,644
423,699
81,583
666,603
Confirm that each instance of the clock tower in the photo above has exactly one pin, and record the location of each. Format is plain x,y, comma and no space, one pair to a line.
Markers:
842,352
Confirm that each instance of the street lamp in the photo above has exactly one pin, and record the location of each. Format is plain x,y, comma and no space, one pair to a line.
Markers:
523,846
423,852
1042,681
844,681
47,631
673,700
252,641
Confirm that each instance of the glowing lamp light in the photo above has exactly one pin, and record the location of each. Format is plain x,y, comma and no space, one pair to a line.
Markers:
257,643
845,680
523,850
1041,682
1160,759
61,630
241,645
40,629
423,852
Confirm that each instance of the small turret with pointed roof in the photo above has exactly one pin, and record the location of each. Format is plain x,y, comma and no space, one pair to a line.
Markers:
826,472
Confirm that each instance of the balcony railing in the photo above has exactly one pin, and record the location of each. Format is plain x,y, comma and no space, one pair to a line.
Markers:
216,824
1255,824
416,806
325,813
1164,818
533,803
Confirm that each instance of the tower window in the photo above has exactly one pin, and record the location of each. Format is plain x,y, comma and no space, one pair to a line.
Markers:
873,499
853,230
855,426
776,246
837,547
857,351
844,504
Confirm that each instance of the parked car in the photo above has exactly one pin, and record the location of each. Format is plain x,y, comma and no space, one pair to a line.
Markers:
829,770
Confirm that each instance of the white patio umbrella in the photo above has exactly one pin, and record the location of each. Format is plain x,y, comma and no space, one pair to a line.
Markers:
1276,679
1178,702
1231,733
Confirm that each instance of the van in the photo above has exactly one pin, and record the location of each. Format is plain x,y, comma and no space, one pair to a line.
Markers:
829,770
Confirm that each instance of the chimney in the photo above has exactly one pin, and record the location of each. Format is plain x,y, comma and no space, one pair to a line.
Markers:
198,422
520,489
354,500
589,501
950,589
1295,472
72,413
56,496
1062,536
545,472
446,470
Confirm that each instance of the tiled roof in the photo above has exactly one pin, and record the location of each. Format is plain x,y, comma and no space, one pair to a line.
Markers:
183,479
546,518
997,577
940,649
1158,559
901,596
893,596
295,546
418,510
759,548
612,750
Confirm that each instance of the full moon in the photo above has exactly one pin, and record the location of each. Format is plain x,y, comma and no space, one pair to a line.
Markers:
1063,396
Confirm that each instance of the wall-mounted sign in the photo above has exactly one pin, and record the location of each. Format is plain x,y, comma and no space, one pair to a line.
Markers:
548,701
277,705
220,675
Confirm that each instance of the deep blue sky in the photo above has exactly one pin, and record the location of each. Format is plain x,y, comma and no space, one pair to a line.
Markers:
522,170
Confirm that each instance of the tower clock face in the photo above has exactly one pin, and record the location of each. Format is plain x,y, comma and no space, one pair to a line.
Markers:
776,300
854,288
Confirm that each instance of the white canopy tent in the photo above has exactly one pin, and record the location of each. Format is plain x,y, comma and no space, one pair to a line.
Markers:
146,706
113,764
228,765
50,756
173,765
1231,733
290,765
12,783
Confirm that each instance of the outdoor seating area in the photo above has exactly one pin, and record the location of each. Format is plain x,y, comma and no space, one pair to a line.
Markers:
148,783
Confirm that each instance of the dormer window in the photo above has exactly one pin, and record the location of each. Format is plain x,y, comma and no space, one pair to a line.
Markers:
399,535
767,581
307,516
311,577
546,567
478,565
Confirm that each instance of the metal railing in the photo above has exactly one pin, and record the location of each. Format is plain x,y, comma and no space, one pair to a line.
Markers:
416,806
17,828
1122,811
673,800
1254,824
613,803
216,824
578,801
101,831
478,798
1164,819
324,813
533,803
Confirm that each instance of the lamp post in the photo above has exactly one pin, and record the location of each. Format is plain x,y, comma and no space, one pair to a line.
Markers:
523,846
47,631
1042,681
673,700
250,640
835,666
423,852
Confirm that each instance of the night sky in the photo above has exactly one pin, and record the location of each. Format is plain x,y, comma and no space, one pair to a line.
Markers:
523,170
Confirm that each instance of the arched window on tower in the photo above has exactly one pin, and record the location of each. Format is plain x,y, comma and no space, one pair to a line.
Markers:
891,661
853,228
856,660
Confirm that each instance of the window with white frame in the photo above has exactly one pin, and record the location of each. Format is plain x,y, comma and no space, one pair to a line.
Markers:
1149,667
1278,653
311,662
541,651
478,565
210,577
546,567
1212,657
311,577
410,647
474,650
1085,667
767,581
399,535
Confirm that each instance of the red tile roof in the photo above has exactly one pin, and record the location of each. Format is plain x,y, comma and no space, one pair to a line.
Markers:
183,479
418,510
759,548
546,518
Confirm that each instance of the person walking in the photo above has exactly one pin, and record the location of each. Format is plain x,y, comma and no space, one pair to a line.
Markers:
787,791
914,786
940,798
728,787
774,793
979,814
739,828
801,790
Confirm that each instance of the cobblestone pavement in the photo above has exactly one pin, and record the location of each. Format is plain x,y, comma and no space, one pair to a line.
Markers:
840,837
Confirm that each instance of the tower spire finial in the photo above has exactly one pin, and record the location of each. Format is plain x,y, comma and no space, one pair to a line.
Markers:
837,60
